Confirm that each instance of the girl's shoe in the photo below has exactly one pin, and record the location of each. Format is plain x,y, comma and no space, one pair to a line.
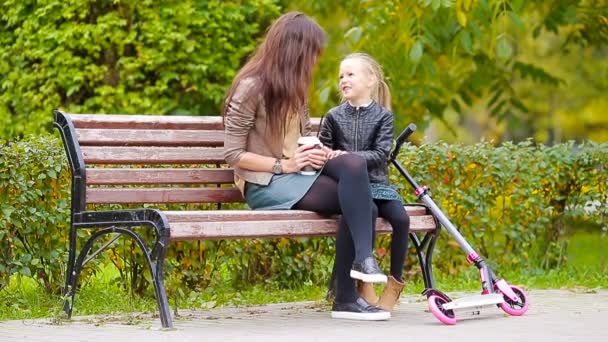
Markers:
367,271
391,293
359,310
367,292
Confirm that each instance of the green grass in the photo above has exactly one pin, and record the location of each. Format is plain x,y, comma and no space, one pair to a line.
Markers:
24,298
587,267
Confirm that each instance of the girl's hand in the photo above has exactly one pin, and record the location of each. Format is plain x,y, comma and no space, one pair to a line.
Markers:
317,157
336,153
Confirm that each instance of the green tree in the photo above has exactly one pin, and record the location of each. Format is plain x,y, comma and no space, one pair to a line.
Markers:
450,61
121,56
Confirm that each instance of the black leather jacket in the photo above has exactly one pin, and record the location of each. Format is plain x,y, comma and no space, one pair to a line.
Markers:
365,131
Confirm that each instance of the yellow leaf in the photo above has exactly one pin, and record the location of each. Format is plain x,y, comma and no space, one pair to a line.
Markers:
462,18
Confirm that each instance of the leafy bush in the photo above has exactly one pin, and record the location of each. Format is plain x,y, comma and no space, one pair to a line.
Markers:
34,211
513,203
163,57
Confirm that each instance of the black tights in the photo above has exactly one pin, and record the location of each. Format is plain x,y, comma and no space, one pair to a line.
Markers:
343,188
394,212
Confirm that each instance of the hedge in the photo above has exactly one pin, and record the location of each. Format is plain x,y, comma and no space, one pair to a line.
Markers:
514,203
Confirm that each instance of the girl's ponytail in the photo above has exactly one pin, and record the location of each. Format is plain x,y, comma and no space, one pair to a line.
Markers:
384,94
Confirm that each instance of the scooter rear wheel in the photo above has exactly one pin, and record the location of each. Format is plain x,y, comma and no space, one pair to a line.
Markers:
516,308
435,305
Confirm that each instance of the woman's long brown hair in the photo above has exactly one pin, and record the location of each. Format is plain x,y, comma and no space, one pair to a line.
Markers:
282,66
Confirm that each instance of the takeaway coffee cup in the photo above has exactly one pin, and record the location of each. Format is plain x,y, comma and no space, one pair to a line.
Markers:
312,140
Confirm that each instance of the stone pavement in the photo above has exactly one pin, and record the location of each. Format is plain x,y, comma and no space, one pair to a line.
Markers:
554,315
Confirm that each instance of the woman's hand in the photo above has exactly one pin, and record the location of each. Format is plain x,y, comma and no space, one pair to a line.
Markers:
298,161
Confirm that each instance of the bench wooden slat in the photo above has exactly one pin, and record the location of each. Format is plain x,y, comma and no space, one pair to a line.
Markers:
152,155
134,137
122,121
258,215
98,176
277,228
163,195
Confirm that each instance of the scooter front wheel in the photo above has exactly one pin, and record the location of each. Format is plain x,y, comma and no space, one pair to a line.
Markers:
436,306
516,308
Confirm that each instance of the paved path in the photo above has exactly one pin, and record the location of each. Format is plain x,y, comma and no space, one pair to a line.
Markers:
554,315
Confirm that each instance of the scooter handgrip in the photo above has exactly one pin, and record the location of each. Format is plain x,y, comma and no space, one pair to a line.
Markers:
404,135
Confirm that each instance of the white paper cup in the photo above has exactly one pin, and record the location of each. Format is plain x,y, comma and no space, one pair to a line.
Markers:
313,141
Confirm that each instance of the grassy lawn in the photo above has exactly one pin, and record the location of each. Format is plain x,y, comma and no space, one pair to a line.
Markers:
586,269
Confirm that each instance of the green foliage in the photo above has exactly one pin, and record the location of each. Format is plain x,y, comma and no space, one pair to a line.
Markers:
34,211
474,58
162,57
512,202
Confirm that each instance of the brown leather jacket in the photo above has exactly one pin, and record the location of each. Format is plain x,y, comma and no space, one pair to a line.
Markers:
246,131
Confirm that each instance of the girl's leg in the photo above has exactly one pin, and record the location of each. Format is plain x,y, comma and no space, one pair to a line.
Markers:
396,215
394,212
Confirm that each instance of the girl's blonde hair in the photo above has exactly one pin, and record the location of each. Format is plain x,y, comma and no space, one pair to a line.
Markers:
381,92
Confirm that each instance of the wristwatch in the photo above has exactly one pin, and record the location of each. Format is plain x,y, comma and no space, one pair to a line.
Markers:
277,168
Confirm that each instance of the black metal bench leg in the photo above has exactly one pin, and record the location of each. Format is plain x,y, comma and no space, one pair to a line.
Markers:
430,280
424,251
76,269
155,266
156,269
68,290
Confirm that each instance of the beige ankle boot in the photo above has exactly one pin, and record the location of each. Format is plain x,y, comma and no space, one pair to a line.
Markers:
367,292
390,295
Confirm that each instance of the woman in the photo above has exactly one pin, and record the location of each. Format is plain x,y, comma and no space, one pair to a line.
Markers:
265,113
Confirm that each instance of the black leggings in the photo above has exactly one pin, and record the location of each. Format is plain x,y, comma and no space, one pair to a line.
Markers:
394,212
343,188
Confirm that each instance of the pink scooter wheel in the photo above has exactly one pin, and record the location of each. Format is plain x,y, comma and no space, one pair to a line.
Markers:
516,308
445,316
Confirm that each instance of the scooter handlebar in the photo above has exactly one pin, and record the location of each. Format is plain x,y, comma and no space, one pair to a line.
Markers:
411,128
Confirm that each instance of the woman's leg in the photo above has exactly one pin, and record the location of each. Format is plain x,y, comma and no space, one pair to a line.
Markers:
396,215
350,196
322,197
354,196
345,255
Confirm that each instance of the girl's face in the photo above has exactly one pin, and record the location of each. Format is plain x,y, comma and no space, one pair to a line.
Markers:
356,83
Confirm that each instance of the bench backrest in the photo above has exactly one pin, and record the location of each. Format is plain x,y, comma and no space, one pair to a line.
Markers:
148,159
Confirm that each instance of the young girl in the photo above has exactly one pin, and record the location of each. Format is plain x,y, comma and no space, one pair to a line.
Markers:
363,125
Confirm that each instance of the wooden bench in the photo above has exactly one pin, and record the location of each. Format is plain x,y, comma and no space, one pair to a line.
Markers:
131,159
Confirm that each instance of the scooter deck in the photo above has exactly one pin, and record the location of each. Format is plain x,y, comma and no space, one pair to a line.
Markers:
476,301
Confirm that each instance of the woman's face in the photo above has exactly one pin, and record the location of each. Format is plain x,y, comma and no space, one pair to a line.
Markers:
356,83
